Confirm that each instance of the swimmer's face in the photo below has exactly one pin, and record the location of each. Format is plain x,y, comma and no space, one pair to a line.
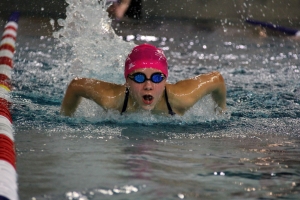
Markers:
146,94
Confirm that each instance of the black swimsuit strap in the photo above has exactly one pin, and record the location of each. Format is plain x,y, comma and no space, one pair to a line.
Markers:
168,104
127,96
125,101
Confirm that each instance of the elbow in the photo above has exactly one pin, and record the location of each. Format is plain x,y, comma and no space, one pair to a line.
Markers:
218,76
219,80
219,93
74,82
76,86
71,99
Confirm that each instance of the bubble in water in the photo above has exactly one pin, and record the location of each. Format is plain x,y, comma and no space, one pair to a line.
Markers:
52,22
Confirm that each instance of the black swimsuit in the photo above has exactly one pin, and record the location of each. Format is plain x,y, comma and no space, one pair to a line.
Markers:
127,96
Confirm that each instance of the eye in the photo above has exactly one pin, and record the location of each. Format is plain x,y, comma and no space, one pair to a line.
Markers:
139,78
157,78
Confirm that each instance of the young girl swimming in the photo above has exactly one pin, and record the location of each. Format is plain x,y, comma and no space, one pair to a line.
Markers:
146,72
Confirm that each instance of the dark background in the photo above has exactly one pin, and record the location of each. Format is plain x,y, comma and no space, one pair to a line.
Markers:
214,12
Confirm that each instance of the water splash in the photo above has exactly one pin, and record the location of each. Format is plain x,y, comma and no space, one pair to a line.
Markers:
97,52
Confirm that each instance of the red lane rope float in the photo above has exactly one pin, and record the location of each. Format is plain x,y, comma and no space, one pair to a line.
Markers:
6,61
8,174
7,47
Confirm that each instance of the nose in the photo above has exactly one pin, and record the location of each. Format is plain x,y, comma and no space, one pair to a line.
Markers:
148,85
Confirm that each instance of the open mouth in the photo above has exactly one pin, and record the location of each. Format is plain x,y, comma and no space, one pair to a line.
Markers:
147,99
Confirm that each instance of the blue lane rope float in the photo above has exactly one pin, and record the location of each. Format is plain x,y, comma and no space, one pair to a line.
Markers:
285,30
8,174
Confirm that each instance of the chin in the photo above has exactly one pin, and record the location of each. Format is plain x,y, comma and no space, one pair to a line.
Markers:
148,107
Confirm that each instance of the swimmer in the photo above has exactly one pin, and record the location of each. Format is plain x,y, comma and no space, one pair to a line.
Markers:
146,72
118,8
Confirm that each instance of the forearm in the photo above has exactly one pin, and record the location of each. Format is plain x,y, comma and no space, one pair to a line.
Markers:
122,8
219,92
125,3
71,100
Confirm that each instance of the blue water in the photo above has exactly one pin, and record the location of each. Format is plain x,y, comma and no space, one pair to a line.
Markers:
249,152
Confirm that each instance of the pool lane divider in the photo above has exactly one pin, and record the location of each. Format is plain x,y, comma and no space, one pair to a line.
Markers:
8,174
285,30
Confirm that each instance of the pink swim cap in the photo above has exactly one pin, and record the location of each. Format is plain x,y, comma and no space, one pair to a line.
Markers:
146,56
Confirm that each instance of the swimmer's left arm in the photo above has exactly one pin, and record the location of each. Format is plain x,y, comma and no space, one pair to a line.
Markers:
189,91
218,91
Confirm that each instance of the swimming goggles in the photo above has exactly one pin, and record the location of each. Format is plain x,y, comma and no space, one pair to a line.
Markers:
139,77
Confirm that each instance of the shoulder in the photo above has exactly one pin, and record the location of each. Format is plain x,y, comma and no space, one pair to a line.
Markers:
106,94
95,84
197,82
177,98
185,93
201,78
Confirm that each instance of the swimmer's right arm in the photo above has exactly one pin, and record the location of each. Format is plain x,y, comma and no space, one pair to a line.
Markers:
82,87
107,95
73,96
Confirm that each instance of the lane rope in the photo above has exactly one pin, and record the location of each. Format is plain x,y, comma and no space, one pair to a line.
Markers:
285,30
8,174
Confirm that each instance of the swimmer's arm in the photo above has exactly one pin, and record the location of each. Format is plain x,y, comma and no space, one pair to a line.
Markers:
218,93
99,91
72,97
192,90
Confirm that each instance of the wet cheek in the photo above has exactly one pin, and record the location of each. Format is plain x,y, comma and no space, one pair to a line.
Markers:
158,90
135,88
136,91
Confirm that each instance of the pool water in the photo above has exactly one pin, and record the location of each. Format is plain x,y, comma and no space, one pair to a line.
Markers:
249,152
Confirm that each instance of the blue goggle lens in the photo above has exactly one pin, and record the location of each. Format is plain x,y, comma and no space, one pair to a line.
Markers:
141,78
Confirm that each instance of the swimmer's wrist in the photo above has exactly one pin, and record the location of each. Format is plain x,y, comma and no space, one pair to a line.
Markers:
219,109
